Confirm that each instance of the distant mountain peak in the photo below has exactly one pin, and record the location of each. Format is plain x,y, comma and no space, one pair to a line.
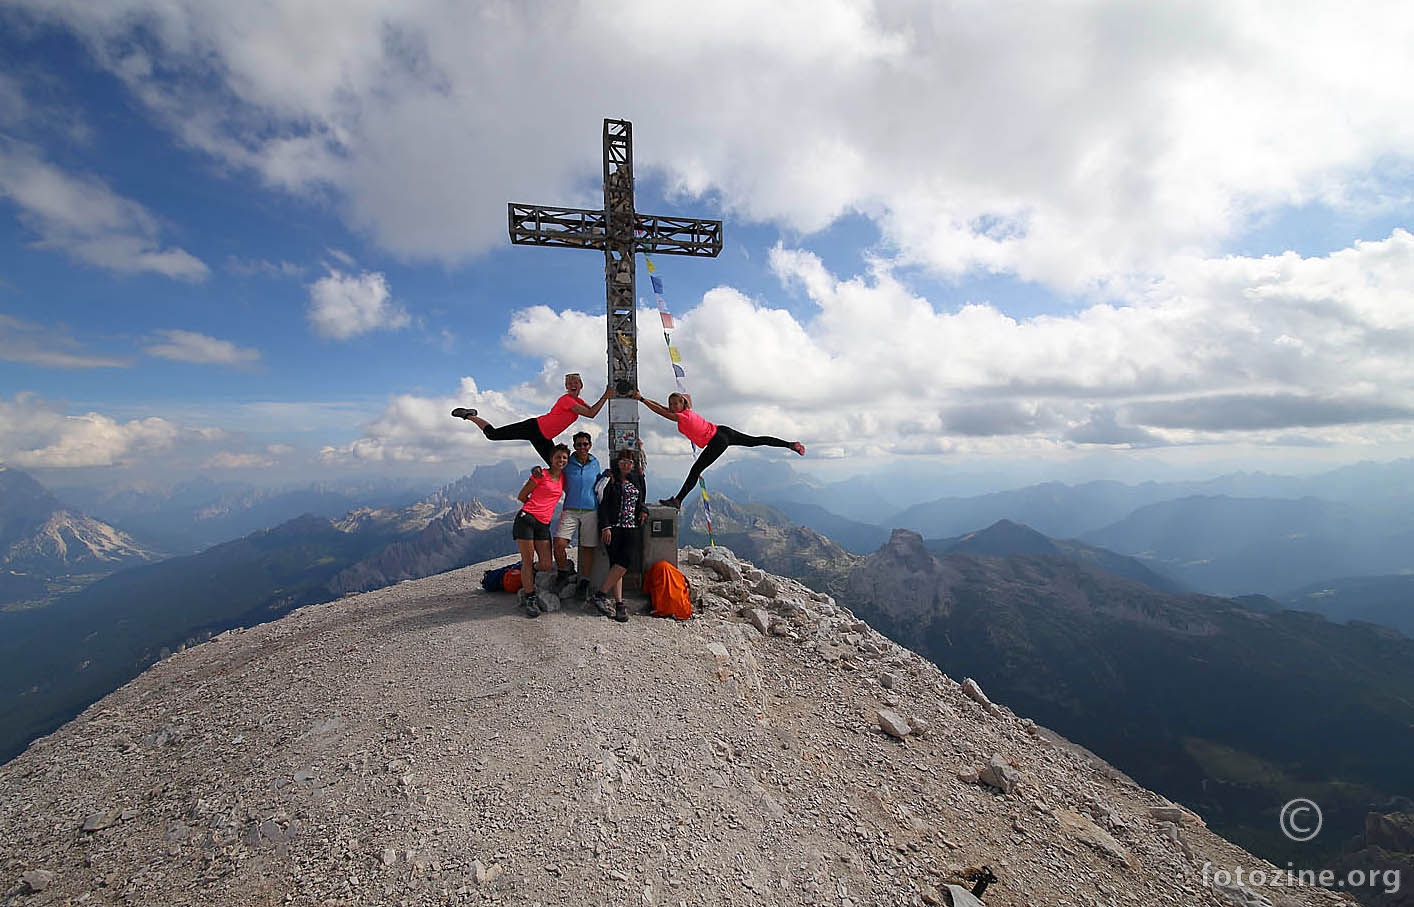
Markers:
39,535
1004,538
906,547
1007,538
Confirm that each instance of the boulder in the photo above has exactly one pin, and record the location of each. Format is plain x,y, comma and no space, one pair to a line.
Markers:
893,724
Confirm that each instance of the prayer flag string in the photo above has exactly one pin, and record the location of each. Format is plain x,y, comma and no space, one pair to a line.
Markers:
679,378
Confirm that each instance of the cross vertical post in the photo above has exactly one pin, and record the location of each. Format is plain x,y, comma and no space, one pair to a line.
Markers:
620,283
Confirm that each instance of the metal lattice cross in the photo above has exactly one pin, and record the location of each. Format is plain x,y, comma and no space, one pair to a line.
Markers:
621,232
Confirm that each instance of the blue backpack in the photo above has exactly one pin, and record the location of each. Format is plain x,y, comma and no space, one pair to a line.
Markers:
494,580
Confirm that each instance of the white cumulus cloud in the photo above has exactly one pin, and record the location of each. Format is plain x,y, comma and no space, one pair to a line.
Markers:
1272,350
33,344
36,433
342,305
1069,144
190,346
230,460
84,218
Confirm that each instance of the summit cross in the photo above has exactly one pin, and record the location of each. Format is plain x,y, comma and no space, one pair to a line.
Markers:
621,232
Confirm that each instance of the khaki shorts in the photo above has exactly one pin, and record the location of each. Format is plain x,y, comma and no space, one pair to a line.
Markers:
586,521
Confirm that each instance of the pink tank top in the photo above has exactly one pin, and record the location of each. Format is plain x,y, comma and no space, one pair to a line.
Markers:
544,496
560,416
695,428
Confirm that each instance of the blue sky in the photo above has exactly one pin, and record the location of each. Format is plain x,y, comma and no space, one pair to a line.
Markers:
267,241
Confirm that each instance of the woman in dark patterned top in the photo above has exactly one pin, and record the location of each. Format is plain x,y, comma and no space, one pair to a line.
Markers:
621,513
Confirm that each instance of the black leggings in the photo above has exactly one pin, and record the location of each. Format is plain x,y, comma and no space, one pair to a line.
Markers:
623,545
724,438
528,430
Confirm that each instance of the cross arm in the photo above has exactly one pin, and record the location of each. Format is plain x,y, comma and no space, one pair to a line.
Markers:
677,236
542,225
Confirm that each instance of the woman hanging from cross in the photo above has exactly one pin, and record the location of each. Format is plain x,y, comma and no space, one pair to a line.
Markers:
712,439
541,430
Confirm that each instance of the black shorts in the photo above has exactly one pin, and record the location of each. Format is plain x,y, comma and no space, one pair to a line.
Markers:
623,545
529,528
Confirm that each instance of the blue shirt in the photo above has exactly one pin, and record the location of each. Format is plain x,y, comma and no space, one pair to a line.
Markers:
579,483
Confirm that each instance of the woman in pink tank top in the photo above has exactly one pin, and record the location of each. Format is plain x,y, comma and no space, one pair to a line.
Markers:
712,439
531,527
541,430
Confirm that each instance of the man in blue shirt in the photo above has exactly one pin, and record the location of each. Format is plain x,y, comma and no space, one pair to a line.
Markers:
578,515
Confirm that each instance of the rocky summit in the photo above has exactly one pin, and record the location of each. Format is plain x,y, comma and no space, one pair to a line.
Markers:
428,744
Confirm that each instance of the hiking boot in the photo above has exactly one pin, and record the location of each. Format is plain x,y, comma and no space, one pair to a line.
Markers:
461,413
602,604
531,605
671,502
621,612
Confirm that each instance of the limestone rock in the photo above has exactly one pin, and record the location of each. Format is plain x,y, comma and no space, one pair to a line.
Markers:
892,723
723,563
974,692
37,879
1085,831
758,618
484,874
100,821
1241,896
549,601
961,897
998,773
1175,814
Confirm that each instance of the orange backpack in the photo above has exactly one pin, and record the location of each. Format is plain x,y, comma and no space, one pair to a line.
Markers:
667,589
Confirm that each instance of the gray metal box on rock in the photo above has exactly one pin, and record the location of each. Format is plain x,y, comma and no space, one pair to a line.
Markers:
660,536
660,543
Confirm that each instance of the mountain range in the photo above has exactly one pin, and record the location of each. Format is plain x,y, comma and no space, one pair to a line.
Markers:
1228,546
56,659
1095,643
1005,538
1239,534
190,516
1164,685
